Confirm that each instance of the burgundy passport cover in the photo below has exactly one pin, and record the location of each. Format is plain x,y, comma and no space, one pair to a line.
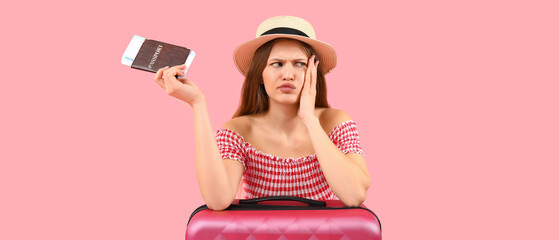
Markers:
154,55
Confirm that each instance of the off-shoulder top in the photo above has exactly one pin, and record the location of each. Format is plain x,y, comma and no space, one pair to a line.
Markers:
269,175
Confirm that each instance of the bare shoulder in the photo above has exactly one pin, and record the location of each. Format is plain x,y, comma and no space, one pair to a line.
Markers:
330,118
239,125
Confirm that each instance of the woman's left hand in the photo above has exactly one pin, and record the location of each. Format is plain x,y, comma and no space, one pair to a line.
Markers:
308,93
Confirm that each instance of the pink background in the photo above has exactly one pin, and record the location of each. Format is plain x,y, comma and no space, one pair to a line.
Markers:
456,103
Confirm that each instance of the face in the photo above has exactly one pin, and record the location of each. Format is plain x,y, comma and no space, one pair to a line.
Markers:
284,73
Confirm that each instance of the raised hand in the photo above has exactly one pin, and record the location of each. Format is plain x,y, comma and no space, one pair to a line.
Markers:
308,93
182,88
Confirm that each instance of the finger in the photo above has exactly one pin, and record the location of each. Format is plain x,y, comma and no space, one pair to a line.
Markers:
159,73
159,77
307,83
170,80
160,82
314,75
173,72
180,69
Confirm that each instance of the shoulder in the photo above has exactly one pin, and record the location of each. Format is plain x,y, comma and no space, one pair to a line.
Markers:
240,125
330,118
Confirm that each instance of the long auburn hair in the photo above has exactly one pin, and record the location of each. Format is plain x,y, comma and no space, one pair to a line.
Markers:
254,98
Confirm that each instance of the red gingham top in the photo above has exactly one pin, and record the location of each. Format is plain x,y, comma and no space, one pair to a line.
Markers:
269,175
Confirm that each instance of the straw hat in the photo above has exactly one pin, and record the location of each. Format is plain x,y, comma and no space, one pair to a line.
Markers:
284,27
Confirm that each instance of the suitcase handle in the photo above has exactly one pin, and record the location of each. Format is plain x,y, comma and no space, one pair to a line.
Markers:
312,203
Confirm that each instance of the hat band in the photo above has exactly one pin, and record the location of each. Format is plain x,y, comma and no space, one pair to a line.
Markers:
284,30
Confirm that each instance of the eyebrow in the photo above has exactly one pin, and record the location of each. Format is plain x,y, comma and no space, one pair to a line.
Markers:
281,60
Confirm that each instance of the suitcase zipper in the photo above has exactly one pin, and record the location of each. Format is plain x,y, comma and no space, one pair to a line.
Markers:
235,207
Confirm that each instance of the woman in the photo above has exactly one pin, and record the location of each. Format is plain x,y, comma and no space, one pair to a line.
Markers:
284,139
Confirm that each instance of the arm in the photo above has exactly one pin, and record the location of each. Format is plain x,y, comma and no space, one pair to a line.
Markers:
345,173
218,179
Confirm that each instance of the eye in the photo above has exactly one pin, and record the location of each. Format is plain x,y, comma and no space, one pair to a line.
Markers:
301,64
276,64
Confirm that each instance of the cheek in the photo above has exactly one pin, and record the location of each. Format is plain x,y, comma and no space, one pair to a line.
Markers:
268,74
267,88
268,84
301,72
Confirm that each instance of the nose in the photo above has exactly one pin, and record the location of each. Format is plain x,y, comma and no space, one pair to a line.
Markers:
288,72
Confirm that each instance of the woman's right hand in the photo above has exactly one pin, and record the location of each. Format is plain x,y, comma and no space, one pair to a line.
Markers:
182,88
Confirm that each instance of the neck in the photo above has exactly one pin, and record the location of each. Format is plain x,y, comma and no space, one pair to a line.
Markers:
283,117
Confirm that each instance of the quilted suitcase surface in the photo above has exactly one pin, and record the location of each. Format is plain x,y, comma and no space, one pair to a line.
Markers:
284,217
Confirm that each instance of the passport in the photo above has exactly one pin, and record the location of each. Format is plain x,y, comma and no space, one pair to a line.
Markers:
151,55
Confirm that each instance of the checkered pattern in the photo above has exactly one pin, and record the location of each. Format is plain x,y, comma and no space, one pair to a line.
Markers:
269,175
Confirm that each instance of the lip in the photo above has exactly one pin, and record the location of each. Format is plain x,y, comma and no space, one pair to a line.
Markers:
287,86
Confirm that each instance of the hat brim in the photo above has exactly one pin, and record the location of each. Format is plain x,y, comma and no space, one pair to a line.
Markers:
243,54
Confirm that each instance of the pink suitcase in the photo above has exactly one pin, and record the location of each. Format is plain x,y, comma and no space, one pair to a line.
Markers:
284,217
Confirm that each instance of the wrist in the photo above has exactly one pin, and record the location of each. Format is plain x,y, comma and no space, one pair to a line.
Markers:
199,101
311,120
